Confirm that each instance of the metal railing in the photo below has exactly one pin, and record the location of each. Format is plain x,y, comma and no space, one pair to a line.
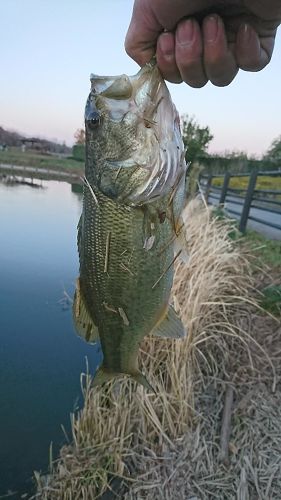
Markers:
267,200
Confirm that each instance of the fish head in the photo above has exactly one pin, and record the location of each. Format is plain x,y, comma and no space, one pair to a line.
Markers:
134,147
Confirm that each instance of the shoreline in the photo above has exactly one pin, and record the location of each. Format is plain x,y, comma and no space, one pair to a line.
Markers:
40,173
187,438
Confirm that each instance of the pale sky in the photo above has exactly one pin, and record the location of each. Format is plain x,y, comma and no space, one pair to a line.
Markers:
49,48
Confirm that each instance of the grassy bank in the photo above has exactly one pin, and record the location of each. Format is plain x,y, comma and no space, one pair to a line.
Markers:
212,430
14,156
263,182
267,268
267,252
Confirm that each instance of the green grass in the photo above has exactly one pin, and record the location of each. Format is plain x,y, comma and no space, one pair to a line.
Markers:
267,251
14,156
271,300
268,257
242,182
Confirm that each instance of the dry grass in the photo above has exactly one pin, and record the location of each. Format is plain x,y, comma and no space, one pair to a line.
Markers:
167,446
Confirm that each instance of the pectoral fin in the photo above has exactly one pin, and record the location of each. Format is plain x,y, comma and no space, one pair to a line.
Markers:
171,326
180,242
84,324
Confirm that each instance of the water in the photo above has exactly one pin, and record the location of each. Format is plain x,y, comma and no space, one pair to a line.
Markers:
41,357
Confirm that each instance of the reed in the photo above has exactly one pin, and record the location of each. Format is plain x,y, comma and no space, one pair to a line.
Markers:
167,445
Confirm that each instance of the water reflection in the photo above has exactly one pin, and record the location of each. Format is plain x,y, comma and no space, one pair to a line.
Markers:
15,179
41,357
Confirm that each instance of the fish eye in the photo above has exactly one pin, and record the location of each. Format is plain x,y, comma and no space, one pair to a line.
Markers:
93,120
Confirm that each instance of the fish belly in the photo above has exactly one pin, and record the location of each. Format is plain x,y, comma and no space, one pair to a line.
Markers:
126,284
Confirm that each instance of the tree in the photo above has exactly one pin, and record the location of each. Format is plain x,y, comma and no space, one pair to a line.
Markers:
195,138
79,136
234,155
274,151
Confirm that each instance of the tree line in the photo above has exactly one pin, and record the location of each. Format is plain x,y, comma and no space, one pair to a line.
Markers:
197,139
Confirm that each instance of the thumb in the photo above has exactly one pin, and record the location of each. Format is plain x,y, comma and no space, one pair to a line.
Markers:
150,17
143,31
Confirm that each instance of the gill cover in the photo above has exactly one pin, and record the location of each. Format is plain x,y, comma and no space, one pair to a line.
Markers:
135,149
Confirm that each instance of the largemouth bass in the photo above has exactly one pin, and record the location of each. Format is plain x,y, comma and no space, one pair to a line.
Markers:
133,196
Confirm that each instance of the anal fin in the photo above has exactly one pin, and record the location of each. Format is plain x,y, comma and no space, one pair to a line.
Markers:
171,326
83,322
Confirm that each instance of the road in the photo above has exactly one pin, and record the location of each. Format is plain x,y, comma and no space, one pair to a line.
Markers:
267,231
230,205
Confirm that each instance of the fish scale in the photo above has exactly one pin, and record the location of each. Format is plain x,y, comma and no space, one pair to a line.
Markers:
133,195
117,288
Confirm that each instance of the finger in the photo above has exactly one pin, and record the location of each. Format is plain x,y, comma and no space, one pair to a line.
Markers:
143,31
166,58
137,47
252,54
219,61
189,53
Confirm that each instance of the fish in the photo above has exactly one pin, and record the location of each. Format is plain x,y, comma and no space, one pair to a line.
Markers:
133,196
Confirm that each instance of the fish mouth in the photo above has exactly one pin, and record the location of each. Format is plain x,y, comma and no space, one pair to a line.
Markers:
118,87
142,103
136,89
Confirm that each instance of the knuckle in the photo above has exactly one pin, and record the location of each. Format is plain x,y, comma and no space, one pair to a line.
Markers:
254,61
253,65
191,66
223,72
196,84
222,80
192,73
170,71
221,83
128,48
173,79
215,62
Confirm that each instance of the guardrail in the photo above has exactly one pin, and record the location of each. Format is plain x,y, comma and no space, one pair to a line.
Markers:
250,197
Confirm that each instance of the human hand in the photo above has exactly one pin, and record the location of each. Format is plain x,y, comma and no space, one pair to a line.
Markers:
200,40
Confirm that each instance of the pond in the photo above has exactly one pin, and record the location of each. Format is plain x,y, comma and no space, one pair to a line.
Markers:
41,358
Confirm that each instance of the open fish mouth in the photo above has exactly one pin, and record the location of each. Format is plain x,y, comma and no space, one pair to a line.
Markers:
118,87
142,103
121,86
136,94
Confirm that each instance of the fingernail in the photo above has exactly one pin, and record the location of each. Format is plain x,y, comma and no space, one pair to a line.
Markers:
247,32
166,45
211,29
185,32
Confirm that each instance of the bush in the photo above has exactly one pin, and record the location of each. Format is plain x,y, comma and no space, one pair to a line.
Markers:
78,152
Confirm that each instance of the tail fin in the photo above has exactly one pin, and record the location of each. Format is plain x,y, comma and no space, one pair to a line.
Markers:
102,376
